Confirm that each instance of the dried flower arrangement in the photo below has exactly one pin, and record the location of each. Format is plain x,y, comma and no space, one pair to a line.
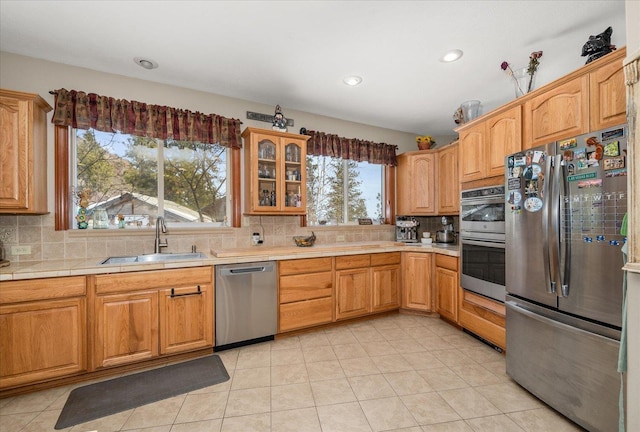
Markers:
534,62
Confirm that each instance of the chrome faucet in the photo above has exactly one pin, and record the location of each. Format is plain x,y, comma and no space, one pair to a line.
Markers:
160,243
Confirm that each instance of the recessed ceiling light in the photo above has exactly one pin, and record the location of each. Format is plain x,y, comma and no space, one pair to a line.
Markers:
451,56
145,63
352,80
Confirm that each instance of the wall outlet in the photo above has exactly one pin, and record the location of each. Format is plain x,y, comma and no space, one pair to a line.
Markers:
340,238
20,250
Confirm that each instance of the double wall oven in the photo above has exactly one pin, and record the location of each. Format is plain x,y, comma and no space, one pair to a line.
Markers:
482,239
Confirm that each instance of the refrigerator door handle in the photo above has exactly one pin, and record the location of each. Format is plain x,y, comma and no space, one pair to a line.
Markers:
553,201
564,244
546,190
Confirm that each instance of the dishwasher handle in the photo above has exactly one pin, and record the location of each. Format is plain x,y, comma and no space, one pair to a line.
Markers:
245,270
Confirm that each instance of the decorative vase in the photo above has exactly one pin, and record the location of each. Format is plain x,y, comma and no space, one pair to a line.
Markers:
100,219
523,82
470,110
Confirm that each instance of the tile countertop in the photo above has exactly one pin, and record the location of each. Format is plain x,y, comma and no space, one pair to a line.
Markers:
80,267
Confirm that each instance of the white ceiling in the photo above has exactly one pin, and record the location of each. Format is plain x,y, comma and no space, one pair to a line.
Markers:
295,53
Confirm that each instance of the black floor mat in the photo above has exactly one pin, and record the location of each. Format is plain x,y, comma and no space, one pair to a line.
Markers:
120,394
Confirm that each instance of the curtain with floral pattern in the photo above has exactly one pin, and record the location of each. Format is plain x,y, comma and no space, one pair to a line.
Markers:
88,110
324,144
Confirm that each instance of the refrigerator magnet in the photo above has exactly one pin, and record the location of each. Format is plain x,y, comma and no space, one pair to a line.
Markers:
585,184
515,197
567,144
613,163
532,187
519,161
514,183
532,172
612,149
532,204
567,155
592,159
538,157
616,173
599,148
611,134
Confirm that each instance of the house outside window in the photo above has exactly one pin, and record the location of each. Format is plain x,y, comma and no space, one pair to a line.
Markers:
136,179
341,191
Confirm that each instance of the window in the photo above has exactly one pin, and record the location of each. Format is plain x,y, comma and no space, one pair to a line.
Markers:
331,180
135,179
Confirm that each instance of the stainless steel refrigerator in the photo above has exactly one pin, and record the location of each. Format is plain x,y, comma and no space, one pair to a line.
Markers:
565,203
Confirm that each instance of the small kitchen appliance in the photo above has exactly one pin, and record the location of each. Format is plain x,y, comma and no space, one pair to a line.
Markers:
446,235
406,229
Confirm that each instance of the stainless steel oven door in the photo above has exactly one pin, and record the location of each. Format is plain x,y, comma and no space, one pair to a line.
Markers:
483,269
483,214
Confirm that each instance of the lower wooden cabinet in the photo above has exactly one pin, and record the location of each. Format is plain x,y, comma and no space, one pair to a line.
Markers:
305,293
185,320
367,283
446,286
353,292
385,281
417,281
42,330
482,316
126,328
137,318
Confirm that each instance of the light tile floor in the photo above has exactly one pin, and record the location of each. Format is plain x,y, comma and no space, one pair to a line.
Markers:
396,373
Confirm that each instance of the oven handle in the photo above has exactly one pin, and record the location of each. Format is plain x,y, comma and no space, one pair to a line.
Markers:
484,201
483,243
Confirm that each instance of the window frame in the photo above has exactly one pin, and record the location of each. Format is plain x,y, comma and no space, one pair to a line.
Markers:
62,147
388,187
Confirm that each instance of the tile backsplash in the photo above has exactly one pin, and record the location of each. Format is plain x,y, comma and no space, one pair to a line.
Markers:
434,223
45,243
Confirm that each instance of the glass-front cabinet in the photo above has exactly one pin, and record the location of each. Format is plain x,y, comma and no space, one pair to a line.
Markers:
275,172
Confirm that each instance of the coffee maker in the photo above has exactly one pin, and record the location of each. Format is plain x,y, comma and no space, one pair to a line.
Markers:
407,229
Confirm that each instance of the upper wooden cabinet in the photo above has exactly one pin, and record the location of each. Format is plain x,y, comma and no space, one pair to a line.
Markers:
503,134
416,190
448,182
558,113
591,98
607,93
587,100
23,150
484,145
473,153
275,172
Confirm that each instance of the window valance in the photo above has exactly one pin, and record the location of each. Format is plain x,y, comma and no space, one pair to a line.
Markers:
324,144
88,110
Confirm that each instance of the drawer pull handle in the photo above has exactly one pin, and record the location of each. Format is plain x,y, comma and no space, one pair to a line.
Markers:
173,293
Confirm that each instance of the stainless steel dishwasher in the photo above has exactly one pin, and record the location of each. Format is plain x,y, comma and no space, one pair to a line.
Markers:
246,303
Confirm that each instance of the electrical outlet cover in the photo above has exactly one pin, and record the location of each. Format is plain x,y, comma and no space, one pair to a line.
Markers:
20,250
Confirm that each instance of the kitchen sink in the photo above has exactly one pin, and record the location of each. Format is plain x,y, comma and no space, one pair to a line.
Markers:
155,257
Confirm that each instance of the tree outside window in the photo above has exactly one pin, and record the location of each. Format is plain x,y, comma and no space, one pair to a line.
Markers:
331,180
140,178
